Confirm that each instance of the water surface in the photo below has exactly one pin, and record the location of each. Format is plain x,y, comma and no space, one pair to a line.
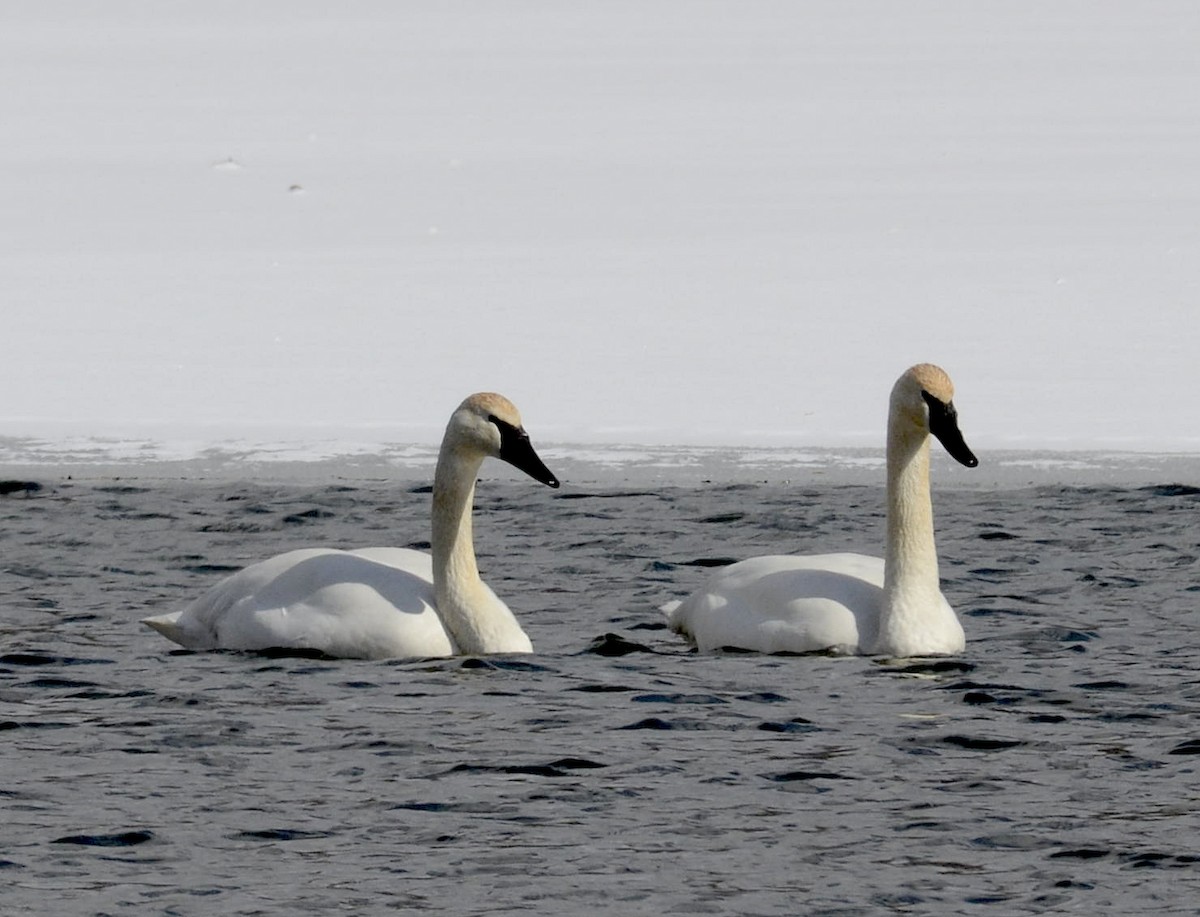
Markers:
1050,769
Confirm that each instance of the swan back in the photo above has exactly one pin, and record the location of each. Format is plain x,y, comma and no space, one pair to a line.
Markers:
785,604
374,603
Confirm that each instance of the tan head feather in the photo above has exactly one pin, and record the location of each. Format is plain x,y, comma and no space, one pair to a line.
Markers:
487,404
934,380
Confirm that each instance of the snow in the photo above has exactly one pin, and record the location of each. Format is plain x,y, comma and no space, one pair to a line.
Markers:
697,223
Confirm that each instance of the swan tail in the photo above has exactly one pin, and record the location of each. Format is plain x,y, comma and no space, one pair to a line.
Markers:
167,625
671,611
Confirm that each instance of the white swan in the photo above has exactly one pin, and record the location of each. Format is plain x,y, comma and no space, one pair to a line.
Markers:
851,603
378,603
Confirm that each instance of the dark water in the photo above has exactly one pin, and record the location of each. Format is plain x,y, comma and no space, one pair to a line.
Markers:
1051,769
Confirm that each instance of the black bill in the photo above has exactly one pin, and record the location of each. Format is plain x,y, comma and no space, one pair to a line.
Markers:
943,423
517,450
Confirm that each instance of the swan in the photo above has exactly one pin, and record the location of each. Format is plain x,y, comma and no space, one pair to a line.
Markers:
379,603
851,603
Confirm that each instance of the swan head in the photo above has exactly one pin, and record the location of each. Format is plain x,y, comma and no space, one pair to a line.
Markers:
925,396
491,425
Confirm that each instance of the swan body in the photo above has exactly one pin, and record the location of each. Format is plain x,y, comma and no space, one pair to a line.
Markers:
378,603
850,603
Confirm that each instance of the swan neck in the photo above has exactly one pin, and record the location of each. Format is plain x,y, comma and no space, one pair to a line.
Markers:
455,573
911,559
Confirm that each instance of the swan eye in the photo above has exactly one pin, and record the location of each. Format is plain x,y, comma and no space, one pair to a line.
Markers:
937,406
507,431
942,414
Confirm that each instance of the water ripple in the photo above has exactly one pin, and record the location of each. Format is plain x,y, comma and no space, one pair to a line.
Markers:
1049,769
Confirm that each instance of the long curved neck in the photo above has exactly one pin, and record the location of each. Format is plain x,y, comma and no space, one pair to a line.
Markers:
456,581
911,565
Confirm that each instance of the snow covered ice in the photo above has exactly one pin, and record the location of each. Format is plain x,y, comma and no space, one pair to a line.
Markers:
676,223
